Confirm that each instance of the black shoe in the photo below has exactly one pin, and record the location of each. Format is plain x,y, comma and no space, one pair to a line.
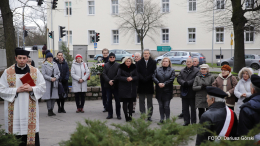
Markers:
59,110
105,110
119,117
149,119
49,113
160,123
53,114
185,124
181,115
109,117
63,110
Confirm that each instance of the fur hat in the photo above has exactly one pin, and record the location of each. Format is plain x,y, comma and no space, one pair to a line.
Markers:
247,69
226,67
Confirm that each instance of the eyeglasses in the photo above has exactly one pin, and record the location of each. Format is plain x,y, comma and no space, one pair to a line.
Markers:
111,57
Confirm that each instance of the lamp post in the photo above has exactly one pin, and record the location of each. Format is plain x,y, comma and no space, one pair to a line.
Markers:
212,38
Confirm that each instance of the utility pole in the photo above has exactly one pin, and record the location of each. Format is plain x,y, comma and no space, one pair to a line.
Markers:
52,32
212,38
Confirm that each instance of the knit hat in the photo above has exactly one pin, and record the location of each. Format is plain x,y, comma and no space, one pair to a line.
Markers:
49,54
78,55
112,54
226,67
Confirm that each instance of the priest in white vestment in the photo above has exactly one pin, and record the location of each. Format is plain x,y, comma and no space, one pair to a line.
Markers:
21,100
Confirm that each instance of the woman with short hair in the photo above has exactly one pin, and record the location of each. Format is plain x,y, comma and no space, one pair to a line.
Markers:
163,78
79,74
242,90
201,81
127,82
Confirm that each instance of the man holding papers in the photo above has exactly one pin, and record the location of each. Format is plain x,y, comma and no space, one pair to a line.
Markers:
21,99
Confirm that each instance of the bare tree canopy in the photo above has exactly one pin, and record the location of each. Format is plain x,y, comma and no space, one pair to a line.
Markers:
143,17
236,15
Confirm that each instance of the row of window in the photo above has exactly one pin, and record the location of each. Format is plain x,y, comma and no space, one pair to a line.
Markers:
192,6
165,35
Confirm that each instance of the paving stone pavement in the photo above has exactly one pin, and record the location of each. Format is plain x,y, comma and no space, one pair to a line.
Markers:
57,128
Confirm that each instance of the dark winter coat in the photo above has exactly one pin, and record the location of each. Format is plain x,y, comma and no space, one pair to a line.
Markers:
189,77
64,73
110,73
249,115
215,116
167,77
145,73
127,89
104,60
201,94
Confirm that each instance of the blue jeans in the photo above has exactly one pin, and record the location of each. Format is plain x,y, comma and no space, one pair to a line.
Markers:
104,96
109,92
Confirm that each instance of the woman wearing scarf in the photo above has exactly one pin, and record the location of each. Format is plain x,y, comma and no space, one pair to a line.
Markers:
227,82
203,80
51,74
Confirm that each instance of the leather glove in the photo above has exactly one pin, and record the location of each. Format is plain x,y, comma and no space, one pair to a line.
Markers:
185,84
203,86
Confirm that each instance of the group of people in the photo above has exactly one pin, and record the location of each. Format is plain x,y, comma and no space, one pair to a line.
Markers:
214,98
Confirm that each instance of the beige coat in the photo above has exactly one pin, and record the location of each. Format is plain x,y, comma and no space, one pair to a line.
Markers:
225,85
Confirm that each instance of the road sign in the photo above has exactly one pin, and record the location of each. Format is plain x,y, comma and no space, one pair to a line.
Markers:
164,48
95,45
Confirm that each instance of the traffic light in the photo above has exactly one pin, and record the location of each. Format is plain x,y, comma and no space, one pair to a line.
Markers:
54,4
25,33
93,39
97,37
40,2
51,34
62,32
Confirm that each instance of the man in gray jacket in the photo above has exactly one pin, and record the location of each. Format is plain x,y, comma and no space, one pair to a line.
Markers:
186,79
109,75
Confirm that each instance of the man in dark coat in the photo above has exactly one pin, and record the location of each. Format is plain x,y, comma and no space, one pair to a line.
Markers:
145,68
249,115
105,53
196,62
221,119
110,83
64,77
186,78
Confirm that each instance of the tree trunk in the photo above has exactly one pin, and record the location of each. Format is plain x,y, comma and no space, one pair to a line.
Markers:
142,46
9,35
239,22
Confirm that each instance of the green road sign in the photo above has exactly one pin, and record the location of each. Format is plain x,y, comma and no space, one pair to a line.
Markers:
164,48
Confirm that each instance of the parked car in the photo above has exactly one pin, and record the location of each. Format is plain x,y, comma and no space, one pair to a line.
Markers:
200,56
176,57
251,60
120,55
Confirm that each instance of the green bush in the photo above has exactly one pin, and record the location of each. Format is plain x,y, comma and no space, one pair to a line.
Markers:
135,133
8,140
94,81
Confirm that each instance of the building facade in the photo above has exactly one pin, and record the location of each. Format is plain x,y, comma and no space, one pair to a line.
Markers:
184,28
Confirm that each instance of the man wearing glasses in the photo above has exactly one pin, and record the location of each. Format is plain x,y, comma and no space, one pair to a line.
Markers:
105,53
110,84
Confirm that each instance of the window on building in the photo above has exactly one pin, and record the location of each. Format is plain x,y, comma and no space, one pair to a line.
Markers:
68,8
139,6
249,34
115,36
138,40
91,7
114,6
219,34
91,34
249,4
165,36
165,5
220,4
192,5
192,34
69,36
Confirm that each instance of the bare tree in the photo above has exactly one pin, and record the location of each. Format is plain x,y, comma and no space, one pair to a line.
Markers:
142,17
236,15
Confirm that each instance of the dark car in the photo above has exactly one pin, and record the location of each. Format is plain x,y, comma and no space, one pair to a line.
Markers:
251,60
200,56
120,55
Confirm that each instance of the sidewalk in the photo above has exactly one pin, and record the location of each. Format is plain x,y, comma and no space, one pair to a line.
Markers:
57,128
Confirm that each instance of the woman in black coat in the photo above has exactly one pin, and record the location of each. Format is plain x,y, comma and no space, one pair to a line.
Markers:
163,77
127,82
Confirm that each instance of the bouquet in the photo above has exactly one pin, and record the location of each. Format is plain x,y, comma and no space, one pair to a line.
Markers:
97,69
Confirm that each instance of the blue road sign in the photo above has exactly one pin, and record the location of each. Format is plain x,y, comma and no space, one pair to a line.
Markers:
95,45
